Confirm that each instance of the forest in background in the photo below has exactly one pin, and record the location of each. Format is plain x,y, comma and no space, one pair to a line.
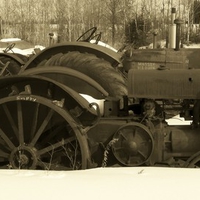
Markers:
119,21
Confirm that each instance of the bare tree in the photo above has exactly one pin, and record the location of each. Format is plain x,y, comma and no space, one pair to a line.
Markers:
32,20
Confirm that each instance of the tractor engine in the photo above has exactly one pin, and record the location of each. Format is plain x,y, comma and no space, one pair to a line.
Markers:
140,133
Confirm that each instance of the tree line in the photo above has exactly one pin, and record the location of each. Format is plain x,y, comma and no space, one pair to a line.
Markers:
119,21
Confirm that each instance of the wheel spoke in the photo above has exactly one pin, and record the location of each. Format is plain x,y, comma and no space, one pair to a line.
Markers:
44,165
42,127
127,158
20,123
128,135
53,133
54,146
132,134
142,154
11,121
4,154
123,135
35,117
7,140
118,148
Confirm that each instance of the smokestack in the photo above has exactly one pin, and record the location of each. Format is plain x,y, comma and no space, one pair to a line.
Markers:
173,15
155,33
172,30
178,23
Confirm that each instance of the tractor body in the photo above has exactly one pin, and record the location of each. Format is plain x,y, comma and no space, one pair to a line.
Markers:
47,124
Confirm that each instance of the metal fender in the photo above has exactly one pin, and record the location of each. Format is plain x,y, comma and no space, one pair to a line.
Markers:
84,47
64,97
76,80
13,57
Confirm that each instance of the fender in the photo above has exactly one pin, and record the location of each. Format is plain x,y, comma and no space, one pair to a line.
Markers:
78,81
13,57
84,47
66,98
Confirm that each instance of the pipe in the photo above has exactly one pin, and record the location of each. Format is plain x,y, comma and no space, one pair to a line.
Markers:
178,23
155,39
172,30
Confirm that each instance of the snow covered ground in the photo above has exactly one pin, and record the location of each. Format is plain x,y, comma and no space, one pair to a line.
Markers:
102,183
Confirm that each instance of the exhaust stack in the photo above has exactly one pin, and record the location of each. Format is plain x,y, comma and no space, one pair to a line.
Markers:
172,30
178,23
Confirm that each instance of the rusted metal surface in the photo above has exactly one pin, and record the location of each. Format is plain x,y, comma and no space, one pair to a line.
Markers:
154,58
164,84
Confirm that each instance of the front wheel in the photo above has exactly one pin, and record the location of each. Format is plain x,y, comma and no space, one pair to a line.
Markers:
37,134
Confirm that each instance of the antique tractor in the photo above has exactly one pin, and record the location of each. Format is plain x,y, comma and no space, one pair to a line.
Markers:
46,122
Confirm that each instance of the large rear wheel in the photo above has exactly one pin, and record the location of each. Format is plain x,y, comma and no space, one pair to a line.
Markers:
37,134
98,69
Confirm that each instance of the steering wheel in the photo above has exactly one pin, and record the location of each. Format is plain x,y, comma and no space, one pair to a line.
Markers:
97,37
9,47
91,32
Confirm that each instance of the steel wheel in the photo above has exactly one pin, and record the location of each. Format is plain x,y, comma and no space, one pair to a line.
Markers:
14,63
37,134
193,161
133,144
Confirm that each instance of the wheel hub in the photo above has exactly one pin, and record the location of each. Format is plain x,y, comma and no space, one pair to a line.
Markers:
130,147
23,157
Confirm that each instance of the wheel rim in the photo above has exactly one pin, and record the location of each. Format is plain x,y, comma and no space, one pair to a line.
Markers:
193,161
37,134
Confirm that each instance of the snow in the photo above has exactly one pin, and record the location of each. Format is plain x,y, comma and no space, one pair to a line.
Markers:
177,120
103,44
161,44
24,52
19,51
152,183
20,46
191,46
10,39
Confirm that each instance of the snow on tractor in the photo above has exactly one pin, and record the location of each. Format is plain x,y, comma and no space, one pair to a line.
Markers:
46,122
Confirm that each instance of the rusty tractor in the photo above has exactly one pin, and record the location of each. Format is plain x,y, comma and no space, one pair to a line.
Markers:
47,122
